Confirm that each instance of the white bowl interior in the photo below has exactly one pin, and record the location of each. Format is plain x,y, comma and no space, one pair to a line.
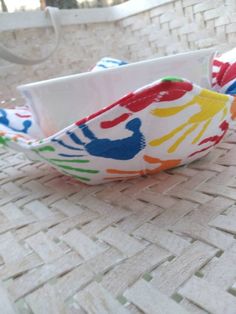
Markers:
59,102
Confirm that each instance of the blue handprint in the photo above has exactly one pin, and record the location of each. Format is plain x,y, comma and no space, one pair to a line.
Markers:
6,122
121,149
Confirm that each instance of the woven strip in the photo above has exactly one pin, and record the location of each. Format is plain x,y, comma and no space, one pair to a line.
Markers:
161,244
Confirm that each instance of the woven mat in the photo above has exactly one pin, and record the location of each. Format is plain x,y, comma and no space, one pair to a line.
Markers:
161,244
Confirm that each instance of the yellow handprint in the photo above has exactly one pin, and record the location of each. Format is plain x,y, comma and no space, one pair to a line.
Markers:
210,104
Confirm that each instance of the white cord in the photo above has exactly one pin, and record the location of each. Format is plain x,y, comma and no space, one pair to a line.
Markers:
7,55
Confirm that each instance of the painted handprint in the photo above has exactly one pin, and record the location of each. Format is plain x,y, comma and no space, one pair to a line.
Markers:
214,140
5,121
210,104
120,149
162,165
167,89
66,165
225,75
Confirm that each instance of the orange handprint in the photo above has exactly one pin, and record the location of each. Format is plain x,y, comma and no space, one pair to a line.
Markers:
233,109
210,104
163,165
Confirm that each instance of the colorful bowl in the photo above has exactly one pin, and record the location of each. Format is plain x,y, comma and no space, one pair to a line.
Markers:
161,125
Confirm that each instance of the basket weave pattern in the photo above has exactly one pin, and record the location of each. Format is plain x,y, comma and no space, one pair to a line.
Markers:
160,244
